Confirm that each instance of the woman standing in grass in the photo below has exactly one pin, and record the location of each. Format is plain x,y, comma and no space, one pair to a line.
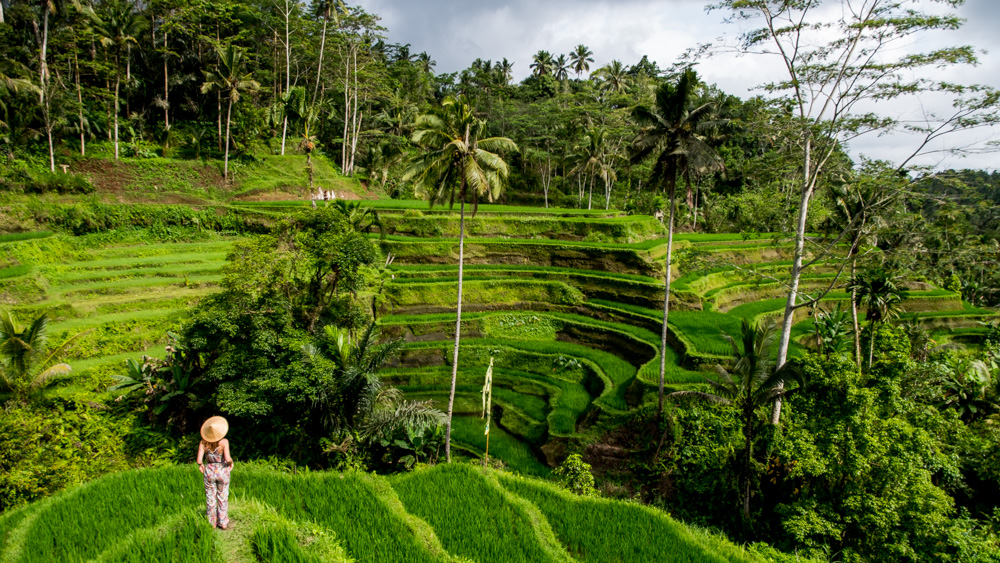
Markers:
216,469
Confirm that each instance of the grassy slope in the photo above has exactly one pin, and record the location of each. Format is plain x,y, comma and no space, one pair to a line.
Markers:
446,513
199,181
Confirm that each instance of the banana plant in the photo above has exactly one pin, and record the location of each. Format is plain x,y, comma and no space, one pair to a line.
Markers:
140,376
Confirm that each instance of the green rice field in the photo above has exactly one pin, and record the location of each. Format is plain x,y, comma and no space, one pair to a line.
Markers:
153,515
574,325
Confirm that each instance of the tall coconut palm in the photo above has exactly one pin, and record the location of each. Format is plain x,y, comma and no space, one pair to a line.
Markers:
229,79
542,63
560,68
506,70
118,25
879,291
614,77
750,386
581,59
426,63
457,164
670,135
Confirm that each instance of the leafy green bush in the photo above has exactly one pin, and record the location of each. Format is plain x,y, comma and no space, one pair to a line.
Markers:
96,217
44,449
49,182
575,475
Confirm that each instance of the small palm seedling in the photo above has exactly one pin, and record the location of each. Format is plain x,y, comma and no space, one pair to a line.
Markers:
26,367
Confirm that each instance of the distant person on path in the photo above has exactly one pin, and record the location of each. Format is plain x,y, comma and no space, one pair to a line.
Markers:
216,469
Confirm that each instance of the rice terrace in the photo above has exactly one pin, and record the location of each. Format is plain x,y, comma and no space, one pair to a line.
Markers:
276,286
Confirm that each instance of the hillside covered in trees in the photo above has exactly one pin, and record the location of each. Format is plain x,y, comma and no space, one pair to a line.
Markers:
685,299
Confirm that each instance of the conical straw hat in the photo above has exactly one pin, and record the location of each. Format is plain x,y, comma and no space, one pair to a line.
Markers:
214,429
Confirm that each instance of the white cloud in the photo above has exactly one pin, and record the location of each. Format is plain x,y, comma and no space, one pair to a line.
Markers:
456,32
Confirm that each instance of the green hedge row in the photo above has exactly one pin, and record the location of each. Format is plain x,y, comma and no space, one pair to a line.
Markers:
95,217
618,229
490,292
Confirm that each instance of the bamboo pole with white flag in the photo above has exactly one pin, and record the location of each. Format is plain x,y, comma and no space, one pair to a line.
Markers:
488,408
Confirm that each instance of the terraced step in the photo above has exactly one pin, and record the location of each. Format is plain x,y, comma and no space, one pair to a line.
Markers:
621,258
402,206
594,284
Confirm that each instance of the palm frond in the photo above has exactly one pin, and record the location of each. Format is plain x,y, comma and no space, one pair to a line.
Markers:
46,377
411,414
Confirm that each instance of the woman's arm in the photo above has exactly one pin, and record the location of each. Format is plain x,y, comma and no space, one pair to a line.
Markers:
225,450
201,454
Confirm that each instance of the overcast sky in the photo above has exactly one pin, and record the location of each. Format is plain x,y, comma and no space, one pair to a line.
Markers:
456,32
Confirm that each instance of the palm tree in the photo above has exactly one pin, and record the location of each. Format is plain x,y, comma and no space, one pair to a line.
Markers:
457,164
26,368
859,209
614,78
355,399
426,63
118,26
581,59
751,386
877,290
670,134
542,63
10,86
506,70
362,219
560,68
230,80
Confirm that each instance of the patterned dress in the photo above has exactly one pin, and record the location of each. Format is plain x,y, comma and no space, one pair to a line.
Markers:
217,488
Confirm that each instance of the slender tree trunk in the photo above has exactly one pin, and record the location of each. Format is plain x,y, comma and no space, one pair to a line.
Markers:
118,81
354,140
218,97
218,120
288,73
697,196
796,273
79,102
871,344
458,326
1,12
347,113
229,114
355,122
43,97
107,106
590,194
166,81
309,168
666,299
322,48
854,316
747,463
